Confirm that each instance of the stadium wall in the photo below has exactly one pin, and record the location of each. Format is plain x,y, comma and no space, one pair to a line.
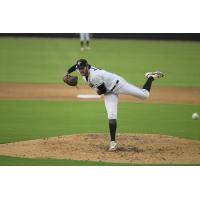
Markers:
151,36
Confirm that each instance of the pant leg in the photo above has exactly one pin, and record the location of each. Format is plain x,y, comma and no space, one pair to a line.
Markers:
130,89
111,103
87,36
82,37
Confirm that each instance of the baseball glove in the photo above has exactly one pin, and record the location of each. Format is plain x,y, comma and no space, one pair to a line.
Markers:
71,80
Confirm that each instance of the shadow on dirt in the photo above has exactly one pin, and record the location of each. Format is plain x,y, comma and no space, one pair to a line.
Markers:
130,149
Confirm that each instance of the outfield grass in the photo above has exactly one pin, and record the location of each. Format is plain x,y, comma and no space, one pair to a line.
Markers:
25,120
36,60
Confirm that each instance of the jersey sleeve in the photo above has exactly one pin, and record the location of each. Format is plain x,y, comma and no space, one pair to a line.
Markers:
71,69
98,80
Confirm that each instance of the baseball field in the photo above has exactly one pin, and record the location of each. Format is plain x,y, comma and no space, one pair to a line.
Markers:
42,121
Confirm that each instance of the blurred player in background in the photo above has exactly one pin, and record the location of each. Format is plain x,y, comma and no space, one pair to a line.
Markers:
85,41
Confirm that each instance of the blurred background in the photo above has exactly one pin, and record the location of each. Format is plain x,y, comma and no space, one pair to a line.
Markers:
153,36
44,57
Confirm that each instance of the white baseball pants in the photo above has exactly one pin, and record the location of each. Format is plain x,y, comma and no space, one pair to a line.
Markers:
84,36
123,87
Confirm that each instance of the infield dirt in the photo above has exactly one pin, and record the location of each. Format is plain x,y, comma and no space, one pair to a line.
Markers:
133,148
61,92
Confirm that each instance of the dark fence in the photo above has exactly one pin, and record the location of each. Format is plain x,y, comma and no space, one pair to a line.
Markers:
151,36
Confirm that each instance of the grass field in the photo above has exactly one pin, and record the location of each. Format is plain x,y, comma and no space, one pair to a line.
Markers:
45,60
25,60
10,161
23,120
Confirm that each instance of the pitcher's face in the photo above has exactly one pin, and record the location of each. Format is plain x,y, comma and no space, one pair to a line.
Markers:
83,71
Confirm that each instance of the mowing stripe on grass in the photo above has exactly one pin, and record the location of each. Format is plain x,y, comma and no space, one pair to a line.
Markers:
25,120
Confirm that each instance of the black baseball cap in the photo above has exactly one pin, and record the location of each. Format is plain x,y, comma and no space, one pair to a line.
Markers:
81,63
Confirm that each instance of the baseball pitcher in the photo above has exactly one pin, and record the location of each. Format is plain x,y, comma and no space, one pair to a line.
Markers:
110,85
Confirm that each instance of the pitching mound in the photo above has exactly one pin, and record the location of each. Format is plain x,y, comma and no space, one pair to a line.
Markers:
133,148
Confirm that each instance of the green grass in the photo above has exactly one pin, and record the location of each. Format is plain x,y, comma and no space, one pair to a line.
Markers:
25,120
13,161
45,60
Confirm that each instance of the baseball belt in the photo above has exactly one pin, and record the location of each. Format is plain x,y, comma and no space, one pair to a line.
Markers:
114,85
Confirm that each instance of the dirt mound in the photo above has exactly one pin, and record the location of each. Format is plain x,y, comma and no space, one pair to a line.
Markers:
133,148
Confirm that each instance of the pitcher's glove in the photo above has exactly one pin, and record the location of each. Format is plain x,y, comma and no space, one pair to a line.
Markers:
70,80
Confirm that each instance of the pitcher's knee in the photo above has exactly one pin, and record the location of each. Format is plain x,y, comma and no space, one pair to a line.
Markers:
145,94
